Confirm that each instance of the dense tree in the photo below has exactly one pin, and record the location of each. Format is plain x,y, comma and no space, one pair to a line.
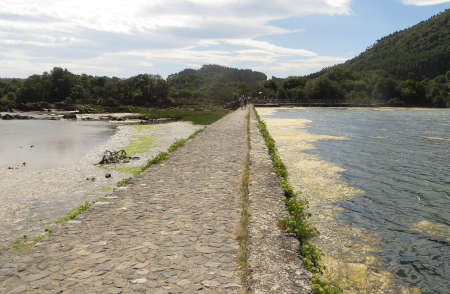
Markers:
410,67
211,84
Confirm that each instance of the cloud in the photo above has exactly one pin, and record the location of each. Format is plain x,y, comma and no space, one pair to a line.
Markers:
88,35
424,2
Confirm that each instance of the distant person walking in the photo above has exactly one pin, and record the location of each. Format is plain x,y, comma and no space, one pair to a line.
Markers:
241,102
246,101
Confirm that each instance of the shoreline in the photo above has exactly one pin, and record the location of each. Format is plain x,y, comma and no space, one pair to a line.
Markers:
34,199
121,117
350,252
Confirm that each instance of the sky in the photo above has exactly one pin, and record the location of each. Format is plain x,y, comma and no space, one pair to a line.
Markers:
124,38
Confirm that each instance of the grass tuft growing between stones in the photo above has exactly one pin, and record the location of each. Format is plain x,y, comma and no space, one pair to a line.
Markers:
123,182
74,213
242,234
27,243
297,221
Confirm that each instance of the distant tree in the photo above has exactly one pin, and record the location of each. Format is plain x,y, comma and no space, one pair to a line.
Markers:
272,85
61,81
384,89
411,92
324,89
291,83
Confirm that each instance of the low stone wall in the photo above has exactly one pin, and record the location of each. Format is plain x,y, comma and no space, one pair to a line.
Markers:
274,263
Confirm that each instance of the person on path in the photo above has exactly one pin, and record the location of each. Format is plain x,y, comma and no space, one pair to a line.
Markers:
245,101
241,102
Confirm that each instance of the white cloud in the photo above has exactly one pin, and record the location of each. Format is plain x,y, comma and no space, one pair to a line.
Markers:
424,2
87,36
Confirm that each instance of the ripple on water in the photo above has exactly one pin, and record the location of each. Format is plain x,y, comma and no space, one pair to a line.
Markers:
350,251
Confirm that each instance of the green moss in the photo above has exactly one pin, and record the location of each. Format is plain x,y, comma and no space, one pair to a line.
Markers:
176,144
72,214
123,182
105,189
158,158
26,243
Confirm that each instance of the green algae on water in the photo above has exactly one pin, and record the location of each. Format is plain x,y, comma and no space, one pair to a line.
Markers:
349,251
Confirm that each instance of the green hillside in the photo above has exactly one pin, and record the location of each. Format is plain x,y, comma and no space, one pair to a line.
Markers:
422,51
212,84
407,68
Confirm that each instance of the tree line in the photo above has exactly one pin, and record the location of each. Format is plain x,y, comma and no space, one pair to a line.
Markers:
406,68
210,85
62,88
345,86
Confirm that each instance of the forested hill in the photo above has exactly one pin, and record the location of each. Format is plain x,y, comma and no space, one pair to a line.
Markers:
407,68
419,52
212,73
213,83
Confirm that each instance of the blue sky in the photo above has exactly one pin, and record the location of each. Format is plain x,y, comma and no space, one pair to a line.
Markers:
118,38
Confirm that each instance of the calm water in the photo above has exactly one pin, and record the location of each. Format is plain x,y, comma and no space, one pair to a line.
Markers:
400,159
48,144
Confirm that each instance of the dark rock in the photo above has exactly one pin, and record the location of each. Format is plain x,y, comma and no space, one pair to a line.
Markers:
15,116
69,116
108,175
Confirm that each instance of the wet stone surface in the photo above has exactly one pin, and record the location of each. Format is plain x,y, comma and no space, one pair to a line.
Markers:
170,230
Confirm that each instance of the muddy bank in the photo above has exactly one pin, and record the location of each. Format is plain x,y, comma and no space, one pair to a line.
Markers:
123,117
34,198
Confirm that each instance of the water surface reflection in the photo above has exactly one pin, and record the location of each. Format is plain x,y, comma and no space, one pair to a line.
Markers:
379,188
49,144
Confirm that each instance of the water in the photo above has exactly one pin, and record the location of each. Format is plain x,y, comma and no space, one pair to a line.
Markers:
378,181
61,172
48,144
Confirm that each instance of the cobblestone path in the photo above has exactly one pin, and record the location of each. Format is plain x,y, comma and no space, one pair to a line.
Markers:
170,230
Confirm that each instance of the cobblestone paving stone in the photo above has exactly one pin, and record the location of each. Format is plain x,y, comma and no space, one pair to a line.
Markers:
170,230
274,263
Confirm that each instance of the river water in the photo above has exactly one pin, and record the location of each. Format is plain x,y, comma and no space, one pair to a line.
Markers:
378,182
60,170
47,143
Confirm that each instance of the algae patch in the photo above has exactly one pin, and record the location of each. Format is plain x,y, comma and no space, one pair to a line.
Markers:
140,144
433,229
437,138
348,250
135,170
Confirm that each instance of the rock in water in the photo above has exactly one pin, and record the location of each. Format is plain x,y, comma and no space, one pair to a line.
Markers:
69,116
